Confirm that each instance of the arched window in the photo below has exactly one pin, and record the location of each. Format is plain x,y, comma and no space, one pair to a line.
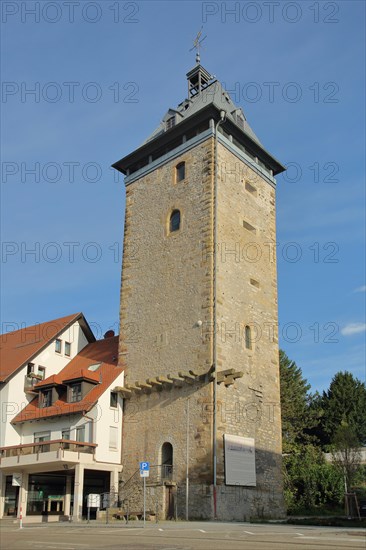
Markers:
167,461
180,171
174,222
248,337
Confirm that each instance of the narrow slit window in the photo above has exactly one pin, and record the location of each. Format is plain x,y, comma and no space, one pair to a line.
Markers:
250,188
249,227
248,337
174,222
180,171
254,283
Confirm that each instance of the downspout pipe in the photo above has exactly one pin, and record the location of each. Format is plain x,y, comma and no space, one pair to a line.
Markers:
214,339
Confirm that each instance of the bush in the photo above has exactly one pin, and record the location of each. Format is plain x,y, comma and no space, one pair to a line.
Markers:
310,482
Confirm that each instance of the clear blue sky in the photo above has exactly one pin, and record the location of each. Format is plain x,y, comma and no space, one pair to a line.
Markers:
104,74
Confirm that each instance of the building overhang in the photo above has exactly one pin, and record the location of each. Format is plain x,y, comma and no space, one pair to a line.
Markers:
210,112
46,455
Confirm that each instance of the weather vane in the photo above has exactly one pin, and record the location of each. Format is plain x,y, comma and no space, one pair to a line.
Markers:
197,45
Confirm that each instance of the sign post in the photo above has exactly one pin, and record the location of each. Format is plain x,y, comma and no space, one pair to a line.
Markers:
144,473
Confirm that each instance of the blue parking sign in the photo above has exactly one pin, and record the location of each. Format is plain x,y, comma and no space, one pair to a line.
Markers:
144,469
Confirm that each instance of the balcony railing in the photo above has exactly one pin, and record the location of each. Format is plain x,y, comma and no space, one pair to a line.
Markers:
166,471
48,446
30,380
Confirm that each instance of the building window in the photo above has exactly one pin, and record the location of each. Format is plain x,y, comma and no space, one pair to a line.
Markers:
254,283
67,349
113,400
39,437
174,221
58,345
248,337
80,434
170,122
250,188
75,392
45,399
180,172
167,461
113,438
42,372
249,227
30,369
65,435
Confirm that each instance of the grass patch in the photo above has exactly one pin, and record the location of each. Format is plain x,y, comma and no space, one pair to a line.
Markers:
327,521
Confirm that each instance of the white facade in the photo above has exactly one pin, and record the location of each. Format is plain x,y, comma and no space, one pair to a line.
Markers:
54,457
96,423
12,395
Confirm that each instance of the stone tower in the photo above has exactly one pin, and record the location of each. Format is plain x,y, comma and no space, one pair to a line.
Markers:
199,314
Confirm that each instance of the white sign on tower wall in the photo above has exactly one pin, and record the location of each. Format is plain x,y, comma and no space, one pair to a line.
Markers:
240,461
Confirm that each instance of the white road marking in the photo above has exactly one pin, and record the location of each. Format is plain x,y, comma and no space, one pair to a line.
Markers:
58,544
248,532
201,531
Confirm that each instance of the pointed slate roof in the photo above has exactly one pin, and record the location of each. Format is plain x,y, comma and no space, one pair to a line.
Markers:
215,95
207,99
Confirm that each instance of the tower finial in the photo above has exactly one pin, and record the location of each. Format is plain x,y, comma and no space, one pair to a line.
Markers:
197,45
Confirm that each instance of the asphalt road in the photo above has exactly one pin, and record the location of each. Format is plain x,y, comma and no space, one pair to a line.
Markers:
178,536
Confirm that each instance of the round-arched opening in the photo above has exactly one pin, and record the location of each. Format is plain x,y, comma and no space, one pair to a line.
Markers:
167,461
174,221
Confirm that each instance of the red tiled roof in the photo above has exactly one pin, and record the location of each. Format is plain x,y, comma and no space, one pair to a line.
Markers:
53,380
19,346
104,352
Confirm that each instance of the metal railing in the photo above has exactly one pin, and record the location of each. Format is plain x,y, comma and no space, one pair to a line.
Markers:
48,446
157,475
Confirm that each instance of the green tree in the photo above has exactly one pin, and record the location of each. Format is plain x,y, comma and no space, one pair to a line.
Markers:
346,455
344,404
297,417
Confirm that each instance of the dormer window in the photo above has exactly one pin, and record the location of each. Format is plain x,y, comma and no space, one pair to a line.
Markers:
45,399
75,392
170,122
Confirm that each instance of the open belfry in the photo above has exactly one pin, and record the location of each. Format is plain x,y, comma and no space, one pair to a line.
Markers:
198,315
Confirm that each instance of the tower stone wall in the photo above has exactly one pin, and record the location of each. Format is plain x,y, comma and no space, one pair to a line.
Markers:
174,327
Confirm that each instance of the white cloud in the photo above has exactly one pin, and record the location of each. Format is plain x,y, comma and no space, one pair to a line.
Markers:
353,328
360,289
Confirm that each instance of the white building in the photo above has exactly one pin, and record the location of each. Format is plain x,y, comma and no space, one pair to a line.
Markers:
61,419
